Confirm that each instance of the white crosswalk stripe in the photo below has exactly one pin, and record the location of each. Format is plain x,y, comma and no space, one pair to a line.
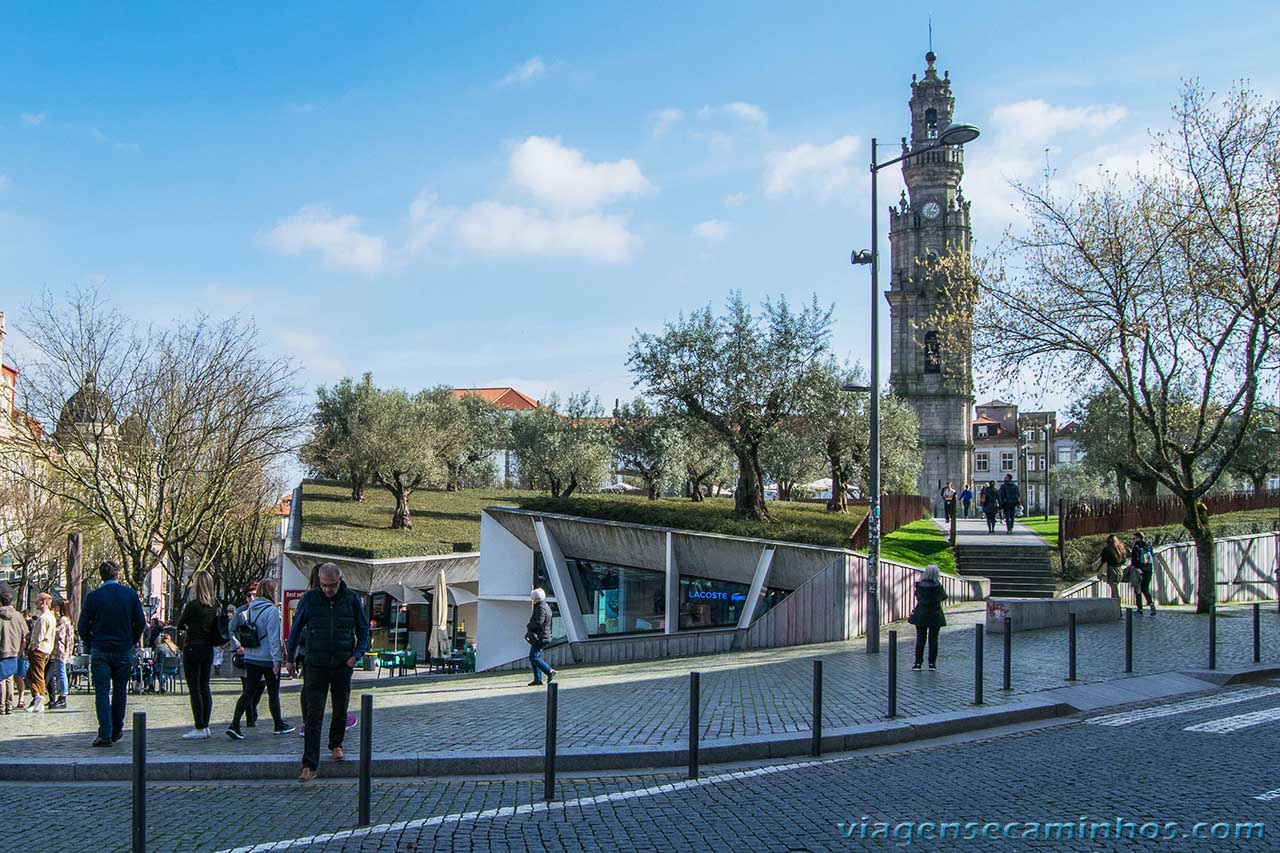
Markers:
1226,725
1125,718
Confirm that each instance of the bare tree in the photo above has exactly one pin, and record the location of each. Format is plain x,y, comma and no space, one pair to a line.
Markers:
1164,290
200,402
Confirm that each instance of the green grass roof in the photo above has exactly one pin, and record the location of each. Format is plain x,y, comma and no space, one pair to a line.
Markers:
334,524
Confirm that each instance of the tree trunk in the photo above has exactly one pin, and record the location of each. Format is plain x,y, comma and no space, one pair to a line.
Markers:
651,489
1259,483
1197,524
401,519
357,486
573,484
1122,486
839,492
748,497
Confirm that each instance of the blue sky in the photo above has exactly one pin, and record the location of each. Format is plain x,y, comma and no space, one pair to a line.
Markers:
494,194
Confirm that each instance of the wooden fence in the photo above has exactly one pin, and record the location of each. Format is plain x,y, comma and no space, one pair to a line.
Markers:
1088,518
895,511
1246,571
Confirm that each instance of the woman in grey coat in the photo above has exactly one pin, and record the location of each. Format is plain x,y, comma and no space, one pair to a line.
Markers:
537,634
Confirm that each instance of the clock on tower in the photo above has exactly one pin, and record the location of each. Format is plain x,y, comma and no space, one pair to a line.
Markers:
930,221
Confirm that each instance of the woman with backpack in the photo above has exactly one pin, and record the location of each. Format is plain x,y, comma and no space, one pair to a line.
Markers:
202,620
256,629
1110,560
990,502
1141,565
927,615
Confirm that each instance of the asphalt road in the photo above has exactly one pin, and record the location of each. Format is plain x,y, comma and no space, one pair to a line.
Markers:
996,792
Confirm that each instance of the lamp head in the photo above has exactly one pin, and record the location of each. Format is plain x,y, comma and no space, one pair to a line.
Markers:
860,257
958,134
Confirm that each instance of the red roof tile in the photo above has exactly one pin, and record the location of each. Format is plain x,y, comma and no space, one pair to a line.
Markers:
503,398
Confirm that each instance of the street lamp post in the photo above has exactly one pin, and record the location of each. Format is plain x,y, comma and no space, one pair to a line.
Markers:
956,134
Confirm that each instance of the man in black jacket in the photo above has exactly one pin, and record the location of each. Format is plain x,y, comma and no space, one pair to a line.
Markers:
537,634
337,635
111,622
1010,497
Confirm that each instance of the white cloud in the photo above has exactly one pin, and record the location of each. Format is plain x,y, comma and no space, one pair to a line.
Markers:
337,239
712,230
33,119
502,229
313,353
1036,121
525,72
735,200
427,219
566,179
741,110
665,119
808,169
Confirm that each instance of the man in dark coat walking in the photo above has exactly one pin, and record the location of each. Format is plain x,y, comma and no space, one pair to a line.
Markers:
537,634
1010,497
332,618
111,623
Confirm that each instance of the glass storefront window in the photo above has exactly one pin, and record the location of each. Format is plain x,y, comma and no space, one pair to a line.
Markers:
707,603
618,599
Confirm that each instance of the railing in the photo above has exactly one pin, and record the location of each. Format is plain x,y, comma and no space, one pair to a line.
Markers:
1246,571
1088,518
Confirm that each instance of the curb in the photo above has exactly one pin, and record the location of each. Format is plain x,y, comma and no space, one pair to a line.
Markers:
432,764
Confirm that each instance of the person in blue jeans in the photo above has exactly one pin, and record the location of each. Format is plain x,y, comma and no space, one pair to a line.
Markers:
111,623
537,634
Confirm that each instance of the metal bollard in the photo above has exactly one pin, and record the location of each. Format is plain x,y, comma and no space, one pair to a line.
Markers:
139,781
1257,633
816,749
1128,639
893,675
1213,636
1008,654
549,757
366,757
977,663
695,704
1071,647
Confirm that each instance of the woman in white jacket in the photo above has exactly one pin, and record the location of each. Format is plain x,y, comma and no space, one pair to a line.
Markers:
257,630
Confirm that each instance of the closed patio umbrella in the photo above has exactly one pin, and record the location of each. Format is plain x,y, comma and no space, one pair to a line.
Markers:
440,614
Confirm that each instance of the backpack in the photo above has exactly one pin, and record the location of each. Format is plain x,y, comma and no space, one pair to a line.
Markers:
247,630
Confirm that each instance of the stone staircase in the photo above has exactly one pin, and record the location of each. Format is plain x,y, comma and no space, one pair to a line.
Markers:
1016,571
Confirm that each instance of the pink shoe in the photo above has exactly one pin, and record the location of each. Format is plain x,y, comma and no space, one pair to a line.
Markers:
302,730
351,721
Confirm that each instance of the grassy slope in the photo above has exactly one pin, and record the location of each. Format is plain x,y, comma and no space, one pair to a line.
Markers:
1048,530
919,544
333,524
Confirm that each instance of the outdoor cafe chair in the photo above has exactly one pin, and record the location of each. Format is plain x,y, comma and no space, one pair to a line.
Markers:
387,660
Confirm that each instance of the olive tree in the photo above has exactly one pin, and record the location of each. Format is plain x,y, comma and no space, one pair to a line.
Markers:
740,374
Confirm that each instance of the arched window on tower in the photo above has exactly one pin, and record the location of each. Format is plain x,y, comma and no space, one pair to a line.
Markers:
931,123
932,353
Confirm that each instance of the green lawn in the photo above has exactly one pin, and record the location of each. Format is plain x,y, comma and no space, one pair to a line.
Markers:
333,524
1047,528
919,544
808,523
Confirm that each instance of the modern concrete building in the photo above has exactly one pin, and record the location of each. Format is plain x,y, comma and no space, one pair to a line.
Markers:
634,592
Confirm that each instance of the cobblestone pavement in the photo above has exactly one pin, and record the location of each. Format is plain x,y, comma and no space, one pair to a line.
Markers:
1146,772
645,703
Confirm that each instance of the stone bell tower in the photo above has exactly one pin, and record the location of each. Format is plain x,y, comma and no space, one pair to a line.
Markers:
932,372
